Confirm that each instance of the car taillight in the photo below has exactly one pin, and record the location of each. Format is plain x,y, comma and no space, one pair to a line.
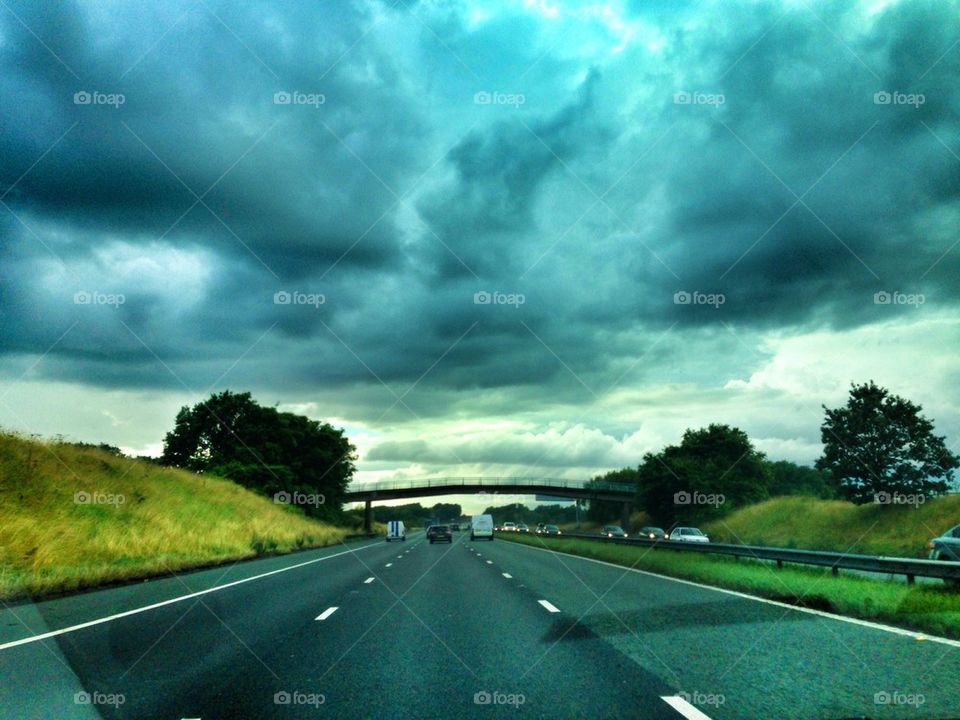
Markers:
930,545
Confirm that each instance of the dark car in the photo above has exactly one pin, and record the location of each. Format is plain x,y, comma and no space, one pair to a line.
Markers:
440,533
551,530
522,527
540,527
612,531
652,533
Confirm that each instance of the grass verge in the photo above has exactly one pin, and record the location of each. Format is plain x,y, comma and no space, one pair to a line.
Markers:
813,524
78,517
930,609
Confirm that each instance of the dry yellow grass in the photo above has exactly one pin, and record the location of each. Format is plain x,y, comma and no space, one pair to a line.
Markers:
139,519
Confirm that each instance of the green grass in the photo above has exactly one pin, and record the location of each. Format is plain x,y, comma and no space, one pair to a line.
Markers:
812,524
168,520
931,609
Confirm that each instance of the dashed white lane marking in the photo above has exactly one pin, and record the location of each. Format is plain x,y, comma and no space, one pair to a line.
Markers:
508,576
549,605
326,613
368,581
399,557
199,593
389,565
489,562
683,707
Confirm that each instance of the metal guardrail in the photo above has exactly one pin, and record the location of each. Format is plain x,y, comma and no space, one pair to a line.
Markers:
911,567
493,482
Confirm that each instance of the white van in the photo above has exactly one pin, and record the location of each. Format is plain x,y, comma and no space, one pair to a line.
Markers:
481,526
396,531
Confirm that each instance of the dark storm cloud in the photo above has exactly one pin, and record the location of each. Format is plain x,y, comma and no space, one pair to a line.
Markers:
397,199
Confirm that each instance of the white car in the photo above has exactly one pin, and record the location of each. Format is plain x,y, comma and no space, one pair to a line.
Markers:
509,527
688,534
481,526
396,531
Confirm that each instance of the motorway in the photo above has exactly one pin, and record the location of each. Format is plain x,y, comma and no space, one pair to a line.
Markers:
468,630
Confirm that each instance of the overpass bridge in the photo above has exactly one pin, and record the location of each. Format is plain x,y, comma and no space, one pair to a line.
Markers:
368,493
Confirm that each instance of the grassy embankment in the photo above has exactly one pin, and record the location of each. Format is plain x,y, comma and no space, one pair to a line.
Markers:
814,524
53,541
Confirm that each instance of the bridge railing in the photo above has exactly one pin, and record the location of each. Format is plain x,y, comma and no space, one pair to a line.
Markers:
491,482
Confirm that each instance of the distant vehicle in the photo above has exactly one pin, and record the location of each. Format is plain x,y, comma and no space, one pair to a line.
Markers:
440,533
396,531
481,526
522,527
688,534
540,527
509,527
551,530
613,531
652,533
947,546
454,527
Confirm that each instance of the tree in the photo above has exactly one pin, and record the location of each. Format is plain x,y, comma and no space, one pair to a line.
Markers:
879,444
711,472
261,448
604,511
788,478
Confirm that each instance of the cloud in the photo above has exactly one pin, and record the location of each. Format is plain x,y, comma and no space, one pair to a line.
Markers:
611,199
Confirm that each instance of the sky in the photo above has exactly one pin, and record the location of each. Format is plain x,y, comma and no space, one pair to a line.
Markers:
487,239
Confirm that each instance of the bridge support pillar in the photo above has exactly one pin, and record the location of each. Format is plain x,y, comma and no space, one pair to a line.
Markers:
367,518
625,516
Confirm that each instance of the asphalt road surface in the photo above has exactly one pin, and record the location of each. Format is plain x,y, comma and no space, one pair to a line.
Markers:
468,630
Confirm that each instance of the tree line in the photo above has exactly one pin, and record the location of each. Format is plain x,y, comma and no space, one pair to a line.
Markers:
876,448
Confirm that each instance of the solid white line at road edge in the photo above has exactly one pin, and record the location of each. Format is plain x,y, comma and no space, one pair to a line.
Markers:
683,707
549,605
98,621
327,613
810,611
